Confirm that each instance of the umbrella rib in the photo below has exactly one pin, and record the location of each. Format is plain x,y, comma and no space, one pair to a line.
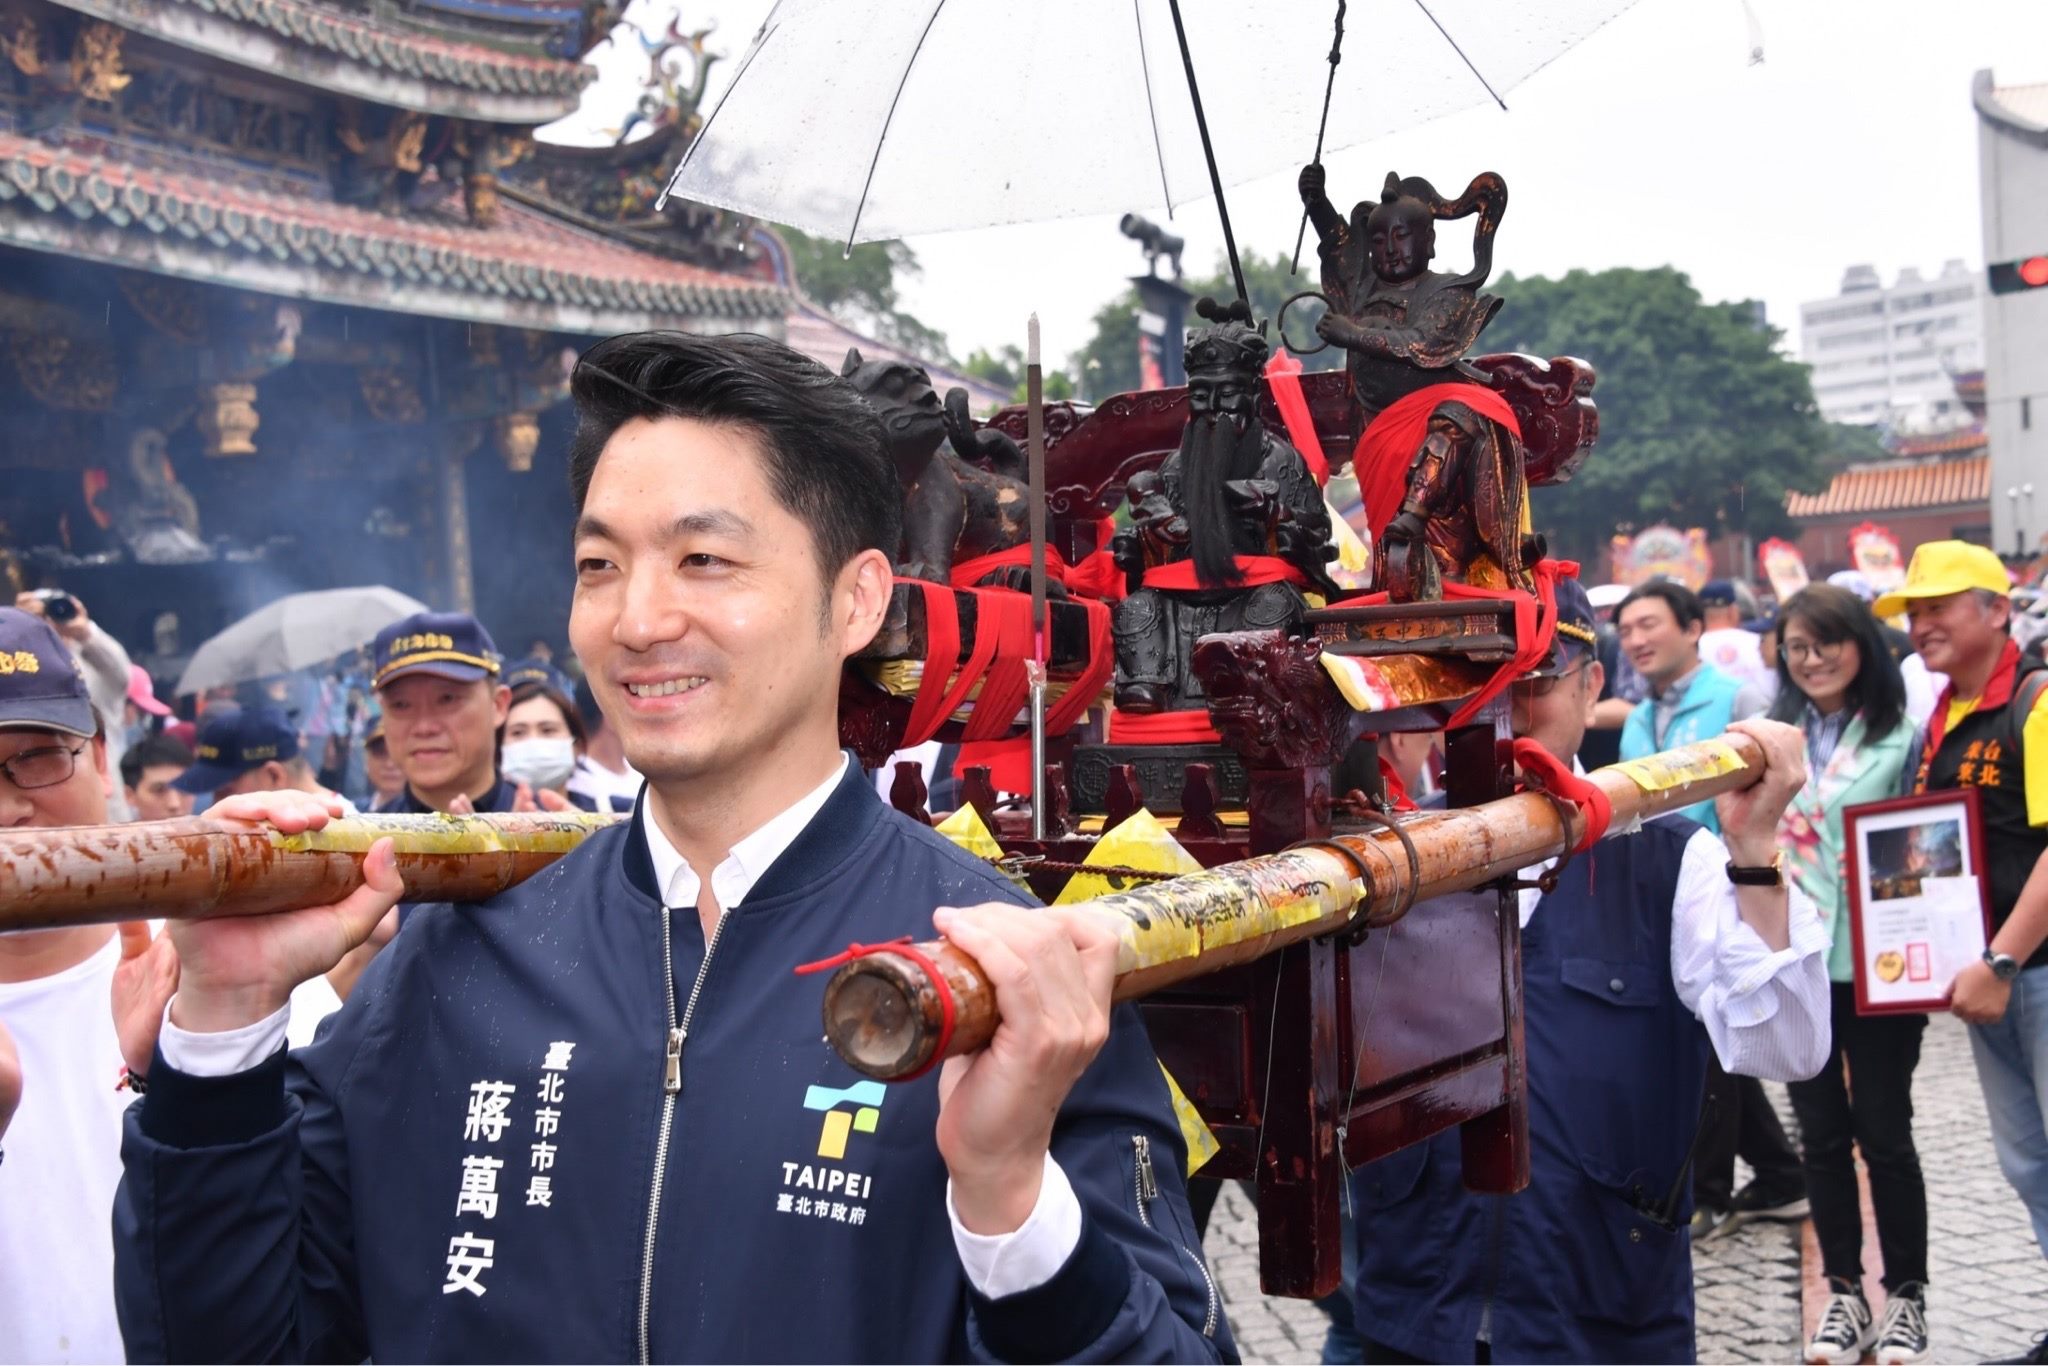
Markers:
894,100
768,27
1461,54
1145,66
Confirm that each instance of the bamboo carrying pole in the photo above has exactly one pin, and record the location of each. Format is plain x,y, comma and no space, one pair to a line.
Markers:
184,869
885,1014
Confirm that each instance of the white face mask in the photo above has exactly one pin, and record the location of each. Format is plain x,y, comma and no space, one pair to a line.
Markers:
538,763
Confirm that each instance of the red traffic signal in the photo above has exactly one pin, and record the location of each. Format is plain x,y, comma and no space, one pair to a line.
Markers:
2010,277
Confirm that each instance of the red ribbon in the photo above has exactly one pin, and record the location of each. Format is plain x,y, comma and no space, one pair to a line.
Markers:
1254,569
1097,576
1557,776
1283,377
1380,460
903,947
1006,615
936,701
1009,760
968,572
1535,623
1189,727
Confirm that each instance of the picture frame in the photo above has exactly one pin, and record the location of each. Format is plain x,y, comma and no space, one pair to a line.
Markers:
1918,902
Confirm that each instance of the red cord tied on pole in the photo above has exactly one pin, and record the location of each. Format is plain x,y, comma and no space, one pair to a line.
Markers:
948,1012
1545,770
1535,624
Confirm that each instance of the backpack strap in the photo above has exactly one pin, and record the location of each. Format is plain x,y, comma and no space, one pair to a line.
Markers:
2024,699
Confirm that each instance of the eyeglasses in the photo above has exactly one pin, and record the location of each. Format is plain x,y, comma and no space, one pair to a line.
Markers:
33,768
1820,651
1540,687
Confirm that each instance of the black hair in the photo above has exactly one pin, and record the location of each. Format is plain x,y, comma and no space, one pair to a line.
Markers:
1685,604
156,751
827,457
1877,693
571,717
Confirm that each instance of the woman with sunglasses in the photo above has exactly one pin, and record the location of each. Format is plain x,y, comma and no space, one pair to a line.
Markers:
1837,681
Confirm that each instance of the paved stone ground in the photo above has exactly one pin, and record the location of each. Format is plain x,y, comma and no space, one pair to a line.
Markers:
1989,1292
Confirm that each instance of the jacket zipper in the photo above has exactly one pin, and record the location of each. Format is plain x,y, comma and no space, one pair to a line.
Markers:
671,1086
1147,1183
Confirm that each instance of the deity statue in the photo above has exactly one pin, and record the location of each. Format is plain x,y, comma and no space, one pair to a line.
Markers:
155,514
1226,534
966,490
1440,464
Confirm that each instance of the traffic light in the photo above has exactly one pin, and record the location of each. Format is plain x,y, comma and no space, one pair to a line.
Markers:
2013,277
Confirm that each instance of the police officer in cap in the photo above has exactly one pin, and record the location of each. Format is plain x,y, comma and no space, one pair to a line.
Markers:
1649,951
438,680
248,749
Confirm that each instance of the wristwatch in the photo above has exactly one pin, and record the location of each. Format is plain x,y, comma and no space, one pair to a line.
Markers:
2003,966
1771,874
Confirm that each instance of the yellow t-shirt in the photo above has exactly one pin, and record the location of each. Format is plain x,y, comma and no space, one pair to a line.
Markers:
2033,740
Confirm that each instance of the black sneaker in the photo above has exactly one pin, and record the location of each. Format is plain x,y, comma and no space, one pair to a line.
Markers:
1845,1330
2035,1356
1902,1332
1755,1202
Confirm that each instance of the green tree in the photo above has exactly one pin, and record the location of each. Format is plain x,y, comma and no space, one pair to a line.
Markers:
1108,364
1006,370
860,289
1702,421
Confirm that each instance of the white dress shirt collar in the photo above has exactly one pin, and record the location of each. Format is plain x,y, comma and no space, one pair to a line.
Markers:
751,856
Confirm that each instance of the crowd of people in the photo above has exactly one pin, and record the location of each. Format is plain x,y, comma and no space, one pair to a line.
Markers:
350,1133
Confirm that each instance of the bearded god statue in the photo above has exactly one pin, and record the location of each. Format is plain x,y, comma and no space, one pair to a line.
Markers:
1225,535
1440,464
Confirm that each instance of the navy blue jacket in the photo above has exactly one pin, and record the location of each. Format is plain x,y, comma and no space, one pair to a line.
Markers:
315,1208
500,798
1575,1268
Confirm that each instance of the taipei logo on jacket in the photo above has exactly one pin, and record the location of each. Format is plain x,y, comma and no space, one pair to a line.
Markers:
827,1189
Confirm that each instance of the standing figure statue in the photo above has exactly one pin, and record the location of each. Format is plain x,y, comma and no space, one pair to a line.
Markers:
1440,464
1226,534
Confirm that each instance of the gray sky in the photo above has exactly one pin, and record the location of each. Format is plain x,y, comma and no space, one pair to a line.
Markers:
1653,142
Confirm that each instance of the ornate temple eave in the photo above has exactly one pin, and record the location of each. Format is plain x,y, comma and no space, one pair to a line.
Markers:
528,272
357,56
1997,108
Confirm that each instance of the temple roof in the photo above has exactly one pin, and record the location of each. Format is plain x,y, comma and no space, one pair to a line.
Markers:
362,54
1971,438
529,269
1902,485
2021,110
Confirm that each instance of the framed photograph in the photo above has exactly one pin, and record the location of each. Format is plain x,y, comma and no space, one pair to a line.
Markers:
1918,908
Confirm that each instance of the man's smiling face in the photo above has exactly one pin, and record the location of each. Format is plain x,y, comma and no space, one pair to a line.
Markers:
701,612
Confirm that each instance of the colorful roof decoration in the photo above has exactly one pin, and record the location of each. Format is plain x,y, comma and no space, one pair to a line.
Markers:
1970,438
361,53
528,270
1898,486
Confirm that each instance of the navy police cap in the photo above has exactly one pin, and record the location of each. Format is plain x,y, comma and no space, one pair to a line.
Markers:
40,685
1575,639
447,644
234,740
534,669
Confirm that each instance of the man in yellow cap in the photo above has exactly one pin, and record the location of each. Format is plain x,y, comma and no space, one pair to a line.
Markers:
1990,731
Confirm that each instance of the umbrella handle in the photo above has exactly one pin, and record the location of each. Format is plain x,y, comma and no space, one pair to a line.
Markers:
1280,321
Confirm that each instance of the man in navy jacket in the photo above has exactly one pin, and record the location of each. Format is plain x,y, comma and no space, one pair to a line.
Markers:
593,1118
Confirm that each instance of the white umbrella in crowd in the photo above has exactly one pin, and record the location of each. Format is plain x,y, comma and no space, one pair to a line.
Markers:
295,632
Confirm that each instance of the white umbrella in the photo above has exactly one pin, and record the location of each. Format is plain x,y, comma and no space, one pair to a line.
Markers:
1073,107
295,632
